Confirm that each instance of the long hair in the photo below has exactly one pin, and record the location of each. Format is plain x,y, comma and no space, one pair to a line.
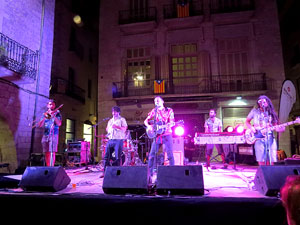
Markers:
270,109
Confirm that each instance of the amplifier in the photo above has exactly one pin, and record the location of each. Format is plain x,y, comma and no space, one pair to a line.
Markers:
74,146
78,146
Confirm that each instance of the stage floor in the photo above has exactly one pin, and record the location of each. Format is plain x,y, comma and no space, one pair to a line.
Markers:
229,198
231,182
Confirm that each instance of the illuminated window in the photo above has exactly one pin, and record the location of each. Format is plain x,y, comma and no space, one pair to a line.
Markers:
87,132
70,130
184,62
138,67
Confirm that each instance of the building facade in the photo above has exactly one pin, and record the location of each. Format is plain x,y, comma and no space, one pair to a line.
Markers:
290,27
75,70
197,55
26,42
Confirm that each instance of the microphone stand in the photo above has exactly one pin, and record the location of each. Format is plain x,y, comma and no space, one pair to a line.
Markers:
155,139
51,136
95,138
267,156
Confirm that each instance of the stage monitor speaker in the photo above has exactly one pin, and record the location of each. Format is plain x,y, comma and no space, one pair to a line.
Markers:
49,179
126,179
180,180
269,179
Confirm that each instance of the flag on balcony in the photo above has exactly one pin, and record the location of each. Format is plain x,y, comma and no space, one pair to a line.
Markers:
159,86
183,8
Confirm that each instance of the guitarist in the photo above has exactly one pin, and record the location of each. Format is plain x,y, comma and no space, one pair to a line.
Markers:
165,115
264,116
116,130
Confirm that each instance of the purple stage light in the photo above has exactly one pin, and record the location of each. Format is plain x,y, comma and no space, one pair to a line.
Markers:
239,129
179,131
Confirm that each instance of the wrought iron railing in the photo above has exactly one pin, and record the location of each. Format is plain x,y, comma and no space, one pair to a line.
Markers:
62,86
137,16
17,57
195,85
228,6
172,11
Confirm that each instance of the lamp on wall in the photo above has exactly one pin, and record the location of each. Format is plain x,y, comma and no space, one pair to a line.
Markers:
239,101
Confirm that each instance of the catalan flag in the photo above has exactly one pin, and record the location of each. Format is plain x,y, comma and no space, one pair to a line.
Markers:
159,86
183,8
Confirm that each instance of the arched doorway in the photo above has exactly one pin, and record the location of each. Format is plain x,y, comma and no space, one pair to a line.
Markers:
8,153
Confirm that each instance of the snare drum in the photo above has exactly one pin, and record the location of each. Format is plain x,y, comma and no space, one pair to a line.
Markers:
127,144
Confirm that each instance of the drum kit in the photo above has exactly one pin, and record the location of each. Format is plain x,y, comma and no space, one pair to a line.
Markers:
129,156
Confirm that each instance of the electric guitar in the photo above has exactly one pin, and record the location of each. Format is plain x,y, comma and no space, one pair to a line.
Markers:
161,128
251,137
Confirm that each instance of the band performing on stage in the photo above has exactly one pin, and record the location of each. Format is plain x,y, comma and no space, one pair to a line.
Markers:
118,148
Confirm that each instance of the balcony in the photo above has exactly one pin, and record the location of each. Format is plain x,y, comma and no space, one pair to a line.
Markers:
62,86
195,85
229,6
137,16
174,11
18,58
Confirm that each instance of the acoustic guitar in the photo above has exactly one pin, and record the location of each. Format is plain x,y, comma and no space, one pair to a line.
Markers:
161,128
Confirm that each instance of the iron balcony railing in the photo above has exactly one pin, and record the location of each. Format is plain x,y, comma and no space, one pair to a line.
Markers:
177,11
228,6
62,86
194,85
17,57
138,15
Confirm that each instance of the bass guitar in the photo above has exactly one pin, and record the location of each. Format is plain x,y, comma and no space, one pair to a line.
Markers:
251,137
160,128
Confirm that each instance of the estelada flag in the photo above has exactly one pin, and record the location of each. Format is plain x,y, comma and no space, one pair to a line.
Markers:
159,86
183,9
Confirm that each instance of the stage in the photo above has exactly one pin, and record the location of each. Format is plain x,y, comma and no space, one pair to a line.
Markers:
230,197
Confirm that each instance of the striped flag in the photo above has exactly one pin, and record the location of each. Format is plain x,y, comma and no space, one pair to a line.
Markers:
159,86
183,9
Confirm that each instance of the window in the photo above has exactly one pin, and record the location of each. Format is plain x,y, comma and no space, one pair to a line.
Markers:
87,132
184,62
138,67
233,56
70,130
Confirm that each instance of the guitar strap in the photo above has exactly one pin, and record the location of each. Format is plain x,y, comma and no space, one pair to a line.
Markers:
163,115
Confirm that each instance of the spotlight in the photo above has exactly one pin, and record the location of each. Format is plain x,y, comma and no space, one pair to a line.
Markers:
179,130
229,129
239,129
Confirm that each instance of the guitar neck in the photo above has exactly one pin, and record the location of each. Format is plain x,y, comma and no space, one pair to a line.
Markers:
283,124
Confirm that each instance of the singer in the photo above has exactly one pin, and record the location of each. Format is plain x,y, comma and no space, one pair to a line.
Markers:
264,117
160,115
116,130
51,121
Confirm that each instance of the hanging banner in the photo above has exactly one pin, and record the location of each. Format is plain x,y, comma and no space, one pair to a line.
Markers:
287,100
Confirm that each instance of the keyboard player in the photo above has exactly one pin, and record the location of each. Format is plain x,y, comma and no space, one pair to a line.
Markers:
211,125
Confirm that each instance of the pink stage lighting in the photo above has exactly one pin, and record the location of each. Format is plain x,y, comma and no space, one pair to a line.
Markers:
179,131
229,129
239,129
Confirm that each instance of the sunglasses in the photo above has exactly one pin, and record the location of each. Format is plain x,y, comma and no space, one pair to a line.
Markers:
262,101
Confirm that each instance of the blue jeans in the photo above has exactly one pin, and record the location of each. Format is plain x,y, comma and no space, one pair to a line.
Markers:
261,146
167,140
113,146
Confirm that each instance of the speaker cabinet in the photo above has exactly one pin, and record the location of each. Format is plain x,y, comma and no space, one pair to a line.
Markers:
269,179
48,179
126,179
180,180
